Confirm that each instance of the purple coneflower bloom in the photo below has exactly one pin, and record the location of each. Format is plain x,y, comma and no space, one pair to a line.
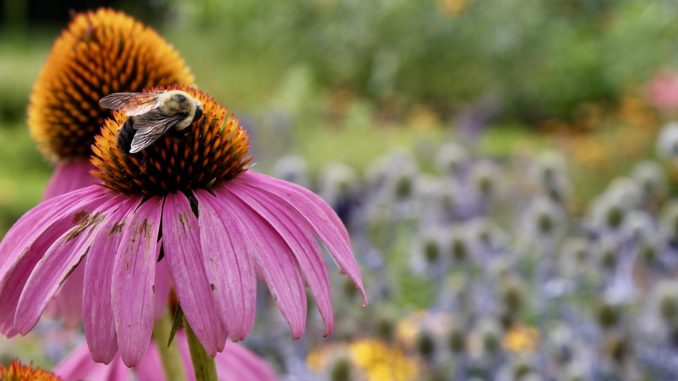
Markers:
221,227
236,362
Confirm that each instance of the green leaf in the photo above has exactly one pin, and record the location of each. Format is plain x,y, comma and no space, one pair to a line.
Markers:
176,324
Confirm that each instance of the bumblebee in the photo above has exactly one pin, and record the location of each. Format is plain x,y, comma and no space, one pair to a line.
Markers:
151,115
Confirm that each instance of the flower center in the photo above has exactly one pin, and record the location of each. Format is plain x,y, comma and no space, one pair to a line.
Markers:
100,53
213,149
17,371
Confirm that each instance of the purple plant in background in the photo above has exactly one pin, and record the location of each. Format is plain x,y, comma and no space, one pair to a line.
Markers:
293,169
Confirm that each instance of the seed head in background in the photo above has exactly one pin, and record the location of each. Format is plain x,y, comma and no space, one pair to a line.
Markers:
100,52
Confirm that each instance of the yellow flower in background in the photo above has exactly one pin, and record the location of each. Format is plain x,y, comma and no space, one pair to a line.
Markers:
451,7
407,328
372,360
521,339
588,116
636,111
423,118
382,362
319,358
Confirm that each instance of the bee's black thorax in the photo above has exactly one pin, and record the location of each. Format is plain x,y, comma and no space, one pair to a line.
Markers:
126,135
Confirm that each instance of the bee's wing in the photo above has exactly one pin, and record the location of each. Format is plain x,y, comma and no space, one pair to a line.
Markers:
151,126
131,103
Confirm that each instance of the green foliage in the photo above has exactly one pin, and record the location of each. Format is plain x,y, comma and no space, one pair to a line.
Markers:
20,59
542,58
282,63
23,175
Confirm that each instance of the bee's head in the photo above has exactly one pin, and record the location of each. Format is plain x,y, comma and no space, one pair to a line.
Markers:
179,101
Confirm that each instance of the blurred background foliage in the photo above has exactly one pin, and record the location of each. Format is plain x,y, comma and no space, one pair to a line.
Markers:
348,81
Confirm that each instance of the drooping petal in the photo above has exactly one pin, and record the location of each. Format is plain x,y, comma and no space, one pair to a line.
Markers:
62,212
77,366
228,264
151,368
181,237
97,311
273,259
55,266
117,371
67,302
69,177
318,214
31,236
163,284
133,298
298,235
238,363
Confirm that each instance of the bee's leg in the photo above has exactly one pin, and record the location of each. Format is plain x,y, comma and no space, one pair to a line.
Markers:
126,135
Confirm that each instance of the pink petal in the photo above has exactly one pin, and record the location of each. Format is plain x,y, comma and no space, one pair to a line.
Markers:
150,367
97,310
133,295
273,258
163,284
29,238
56,265
181,236
318,214
60,211
239,363
298,235
117,371
67,301
69,177
79,366
228,264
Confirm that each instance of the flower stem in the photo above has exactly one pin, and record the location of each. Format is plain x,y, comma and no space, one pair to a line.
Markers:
171,359
205,369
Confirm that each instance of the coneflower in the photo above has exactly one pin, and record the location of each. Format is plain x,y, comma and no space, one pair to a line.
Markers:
100,52
221,226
